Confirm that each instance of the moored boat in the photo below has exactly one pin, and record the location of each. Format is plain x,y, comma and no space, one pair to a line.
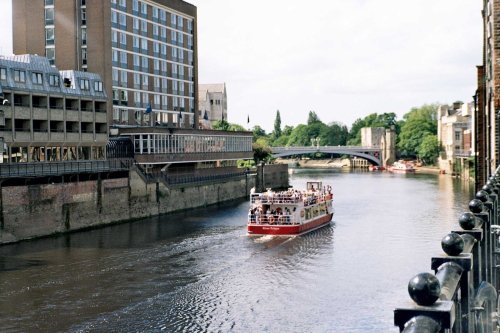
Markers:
402,167
290,212
376,168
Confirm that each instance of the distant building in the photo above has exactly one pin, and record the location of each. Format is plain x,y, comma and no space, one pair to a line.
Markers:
212,99
455,134
380,137
50,115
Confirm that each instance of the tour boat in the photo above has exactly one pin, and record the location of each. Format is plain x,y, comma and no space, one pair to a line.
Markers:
290,212
401,167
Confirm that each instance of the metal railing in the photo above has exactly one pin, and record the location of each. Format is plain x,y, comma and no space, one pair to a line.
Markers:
41,169
191,177
461,295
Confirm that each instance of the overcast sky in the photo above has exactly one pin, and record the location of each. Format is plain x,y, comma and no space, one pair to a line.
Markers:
343,59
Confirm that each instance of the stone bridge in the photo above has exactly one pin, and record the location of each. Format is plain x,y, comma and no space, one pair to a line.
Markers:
372,154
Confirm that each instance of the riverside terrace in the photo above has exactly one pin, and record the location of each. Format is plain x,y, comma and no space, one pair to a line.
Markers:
461,295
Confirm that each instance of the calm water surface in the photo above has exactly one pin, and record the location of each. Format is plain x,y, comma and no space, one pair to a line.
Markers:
199,272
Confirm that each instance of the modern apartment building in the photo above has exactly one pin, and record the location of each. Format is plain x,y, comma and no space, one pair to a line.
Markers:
50,115
145,51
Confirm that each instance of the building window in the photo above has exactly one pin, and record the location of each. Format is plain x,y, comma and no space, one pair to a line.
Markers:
135,5
144,8
19,75
457,136
98,86
124,115
137,98
173,34
124,78
144,44
190,26
123,20
144,26
173,20
145,81
36,78
114,74
3,73
84,36
84,16
50,53
49,36
179,22
49,16
54,80
49,2
145,63
123,58
123,3
123,39
155,12
135,42
137,61
124,96
84,84
116,115
84,56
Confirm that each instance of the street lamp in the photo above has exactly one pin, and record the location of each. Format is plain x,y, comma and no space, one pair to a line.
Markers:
315,140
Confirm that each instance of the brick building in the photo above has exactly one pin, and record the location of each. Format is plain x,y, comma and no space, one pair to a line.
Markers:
145,51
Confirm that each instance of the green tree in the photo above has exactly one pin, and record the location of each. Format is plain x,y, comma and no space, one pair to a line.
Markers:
258,132
221,125
261,150
428,151
277,125
418,123
312,118
386,120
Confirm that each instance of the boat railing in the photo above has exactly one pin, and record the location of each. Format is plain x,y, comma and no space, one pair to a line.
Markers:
266,199
272,219
274,199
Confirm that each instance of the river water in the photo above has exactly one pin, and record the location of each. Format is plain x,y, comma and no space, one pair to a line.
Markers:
199,272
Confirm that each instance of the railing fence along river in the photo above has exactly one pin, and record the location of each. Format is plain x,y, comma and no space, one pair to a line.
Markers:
198,271
462,294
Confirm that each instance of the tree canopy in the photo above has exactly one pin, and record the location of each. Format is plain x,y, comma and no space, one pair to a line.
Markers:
418,123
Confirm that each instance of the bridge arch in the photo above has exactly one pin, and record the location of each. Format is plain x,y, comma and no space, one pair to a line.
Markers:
369,154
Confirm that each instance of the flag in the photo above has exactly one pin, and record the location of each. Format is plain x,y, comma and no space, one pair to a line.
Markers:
248,119
148,108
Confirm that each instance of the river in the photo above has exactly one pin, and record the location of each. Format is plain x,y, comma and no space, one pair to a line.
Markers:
197,271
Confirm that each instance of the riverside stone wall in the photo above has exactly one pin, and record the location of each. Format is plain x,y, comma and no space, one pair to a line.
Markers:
41,210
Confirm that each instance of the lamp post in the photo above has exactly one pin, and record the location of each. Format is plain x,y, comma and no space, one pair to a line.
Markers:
315,140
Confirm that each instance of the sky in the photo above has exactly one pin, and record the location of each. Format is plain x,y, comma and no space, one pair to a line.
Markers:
343,59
